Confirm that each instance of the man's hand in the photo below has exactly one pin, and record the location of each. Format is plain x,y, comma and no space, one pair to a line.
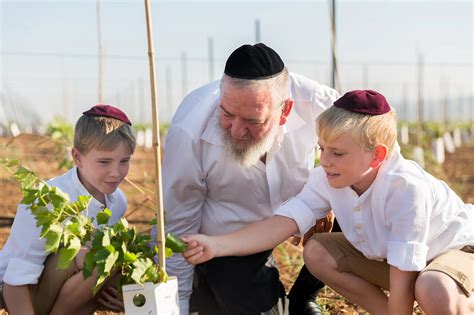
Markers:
322,225
201,248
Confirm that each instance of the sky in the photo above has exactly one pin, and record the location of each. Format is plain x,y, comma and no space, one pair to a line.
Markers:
49,51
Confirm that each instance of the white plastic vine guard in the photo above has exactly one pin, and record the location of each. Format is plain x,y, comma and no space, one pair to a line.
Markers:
159,298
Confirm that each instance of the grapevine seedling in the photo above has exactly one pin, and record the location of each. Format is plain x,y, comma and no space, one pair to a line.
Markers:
111,249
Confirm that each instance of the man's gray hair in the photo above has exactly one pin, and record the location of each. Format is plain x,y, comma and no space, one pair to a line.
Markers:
278,86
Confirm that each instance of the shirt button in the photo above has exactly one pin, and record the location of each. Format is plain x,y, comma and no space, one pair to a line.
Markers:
357,226
357,208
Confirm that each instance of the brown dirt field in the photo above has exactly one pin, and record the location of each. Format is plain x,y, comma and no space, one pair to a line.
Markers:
43,155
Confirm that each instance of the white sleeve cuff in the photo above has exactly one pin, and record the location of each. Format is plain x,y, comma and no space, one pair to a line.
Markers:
295,209
22,272
407,256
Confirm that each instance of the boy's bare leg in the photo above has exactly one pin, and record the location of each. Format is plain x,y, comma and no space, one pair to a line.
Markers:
76,297
437,293
19,300
323,266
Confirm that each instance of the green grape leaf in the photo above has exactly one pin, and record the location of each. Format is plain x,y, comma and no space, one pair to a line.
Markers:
175,244
152,274
104,216
101,255
121,225
140,267
97,239
106,239
152,221
83,202
110,249
58,198
67,254
129,257
53,237
9,163
89,263
43,216
110,261
29,196
168,252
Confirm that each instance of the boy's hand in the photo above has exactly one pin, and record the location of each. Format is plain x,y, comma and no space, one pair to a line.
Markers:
109,296
111,299
201,248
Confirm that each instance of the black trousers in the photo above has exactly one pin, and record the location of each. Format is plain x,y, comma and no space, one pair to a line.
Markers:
306,287
236,285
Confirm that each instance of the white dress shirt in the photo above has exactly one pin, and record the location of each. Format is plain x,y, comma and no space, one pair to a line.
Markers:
205,191
23,256
406,216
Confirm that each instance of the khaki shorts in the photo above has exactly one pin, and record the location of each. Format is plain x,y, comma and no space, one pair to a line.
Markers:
44,293
457,263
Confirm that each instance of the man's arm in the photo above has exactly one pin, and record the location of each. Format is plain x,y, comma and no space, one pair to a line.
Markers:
251,239
18,299
402,291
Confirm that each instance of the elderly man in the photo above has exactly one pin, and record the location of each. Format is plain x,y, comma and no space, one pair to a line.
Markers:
237,149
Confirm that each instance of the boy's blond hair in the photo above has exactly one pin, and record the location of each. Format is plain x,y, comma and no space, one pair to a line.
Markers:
367,130
102,133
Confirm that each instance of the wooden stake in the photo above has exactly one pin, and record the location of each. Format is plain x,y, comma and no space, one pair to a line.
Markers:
160,227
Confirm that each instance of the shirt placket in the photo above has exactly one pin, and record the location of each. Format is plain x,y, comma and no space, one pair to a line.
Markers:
357,219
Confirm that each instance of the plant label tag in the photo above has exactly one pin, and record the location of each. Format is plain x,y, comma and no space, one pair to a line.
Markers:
152,298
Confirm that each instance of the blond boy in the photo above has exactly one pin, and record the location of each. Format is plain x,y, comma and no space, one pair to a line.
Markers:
103,145
402,229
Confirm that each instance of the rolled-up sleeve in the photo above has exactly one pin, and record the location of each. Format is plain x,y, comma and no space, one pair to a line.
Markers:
24,250
309,205
407,256
408,215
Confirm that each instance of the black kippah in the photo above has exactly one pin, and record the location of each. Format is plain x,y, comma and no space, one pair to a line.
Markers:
255,62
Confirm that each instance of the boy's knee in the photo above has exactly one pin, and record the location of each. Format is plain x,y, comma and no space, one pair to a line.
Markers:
315,256
433,294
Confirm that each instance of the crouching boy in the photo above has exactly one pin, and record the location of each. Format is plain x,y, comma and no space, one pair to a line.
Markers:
103,145
402,229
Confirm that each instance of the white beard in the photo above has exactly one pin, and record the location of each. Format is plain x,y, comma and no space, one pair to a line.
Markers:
250,155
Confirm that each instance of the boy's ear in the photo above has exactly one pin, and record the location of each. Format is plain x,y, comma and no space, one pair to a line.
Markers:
76,157
286,111
380,153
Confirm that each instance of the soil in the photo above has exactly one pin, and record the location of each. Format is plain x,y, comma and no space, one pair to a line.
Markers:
44,155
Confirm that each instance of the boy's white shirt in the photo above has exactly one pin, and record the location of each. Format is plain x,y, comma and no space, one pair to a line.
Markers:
406,216
23,256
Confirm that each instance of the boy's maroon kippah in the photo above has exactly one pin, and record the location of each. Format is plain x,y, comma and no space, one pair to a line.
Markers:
254,62
366,102
107,111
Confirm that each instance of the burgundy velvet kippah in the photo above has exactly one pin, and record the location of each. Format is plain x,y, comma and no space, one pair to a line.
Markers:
255,62
107,111
366,102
